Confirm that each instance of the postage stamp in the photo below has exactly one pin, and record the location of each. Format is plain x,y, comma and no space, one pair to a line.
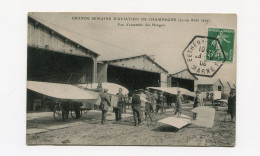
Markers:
226,39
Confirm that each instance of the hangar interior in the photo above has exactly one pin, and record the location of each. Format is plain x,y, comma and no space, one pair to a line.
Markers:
183,83
48,66
52,57
184,79
132,78
133,72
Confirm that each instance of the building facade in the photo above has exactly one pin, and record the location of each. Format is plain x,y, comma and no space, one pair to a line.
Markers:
133,72
207,85
52,57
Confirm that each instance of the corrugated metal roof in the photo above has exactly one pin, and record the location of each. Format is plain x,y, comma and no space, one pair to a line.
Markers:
185,74
61,34
106,51
144,55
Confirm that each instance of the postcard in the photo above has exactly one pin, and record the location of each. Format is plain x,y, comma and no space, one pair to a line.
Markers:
131,79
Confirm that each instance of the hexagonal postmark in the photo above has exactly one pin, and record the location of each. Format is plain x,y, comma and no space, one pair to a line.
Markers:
195,55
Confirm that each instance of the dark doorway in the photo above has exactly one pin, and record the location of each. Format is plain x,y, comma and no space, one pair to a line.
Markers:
48,66
132,79
183,83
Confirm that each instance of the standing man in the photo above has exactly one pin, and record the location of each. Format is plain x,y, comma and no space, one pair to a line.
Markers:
100,90
126,103
160,102
136,107
178,103
196,103
120,104
104,105
155,98
147,104
232,104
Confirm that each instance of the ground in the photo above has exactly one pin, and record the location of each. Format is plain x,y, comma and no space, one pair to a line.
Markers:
88,131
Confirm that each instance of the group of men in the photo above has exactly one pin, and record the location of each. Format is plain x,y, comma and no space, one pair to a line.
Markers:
106,103
153,102
142,101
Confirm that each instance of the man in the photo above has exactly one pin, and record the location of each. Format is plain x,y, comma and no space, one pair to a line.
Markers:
120,104
168,99
148,98
155,98
100,90
65,110
76,106
160,102
148,104
126,103
104,105
232,104
142,96
196,103
136,107
179,100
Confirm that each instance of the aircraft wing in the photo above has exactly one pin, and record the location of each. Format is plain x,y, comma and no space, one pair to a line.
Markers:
176,122
205,117
62,91
112,87
173,90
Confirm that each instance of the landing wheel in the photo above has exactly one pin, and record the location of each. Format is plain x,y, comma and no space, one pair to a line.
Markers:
73,113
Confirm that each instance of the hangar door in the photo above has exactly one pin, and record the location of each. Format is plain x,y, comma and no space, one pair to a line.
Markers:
131,78
48,66
183,83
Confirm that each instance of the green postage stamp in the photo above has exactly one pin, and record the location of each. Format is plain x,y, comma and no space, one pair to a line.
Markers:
225,40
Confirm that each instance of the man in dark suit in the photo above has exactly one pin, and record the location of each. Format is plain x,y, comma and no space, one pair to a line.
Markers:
232,104
104,105
160,102
120,105
136,106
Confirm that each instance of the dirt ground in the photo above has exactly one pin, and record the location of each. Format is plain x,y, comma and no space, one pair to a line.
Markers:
91,132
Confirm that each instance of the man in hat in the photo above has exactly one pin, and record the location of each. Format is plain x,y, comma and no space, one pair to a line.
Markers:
136,107
232,104
179,100
196,102
148,104
155,98
160,102
148,98
104,105
120,104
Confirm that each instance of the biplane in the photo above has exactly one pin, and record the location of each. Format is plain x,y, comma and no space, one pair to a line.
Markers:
79,96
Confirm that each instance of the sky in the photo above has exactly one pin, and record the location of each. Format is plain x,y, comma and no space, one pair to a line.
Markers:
165,44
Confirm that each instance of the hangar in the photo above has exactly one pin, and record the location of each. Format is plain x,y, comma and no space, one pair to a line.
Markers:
133,72
52,57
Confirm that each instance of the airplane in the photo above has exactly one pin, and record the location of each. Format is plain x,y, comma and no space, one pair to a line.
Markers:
173,90
79,93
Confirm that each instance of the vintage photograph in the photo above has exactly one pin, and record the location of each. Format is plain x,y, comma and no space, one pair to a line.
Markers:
131,79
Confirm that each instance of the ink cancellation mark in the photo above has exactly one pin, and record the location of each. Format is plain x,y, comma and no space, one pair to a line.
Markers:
195,57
